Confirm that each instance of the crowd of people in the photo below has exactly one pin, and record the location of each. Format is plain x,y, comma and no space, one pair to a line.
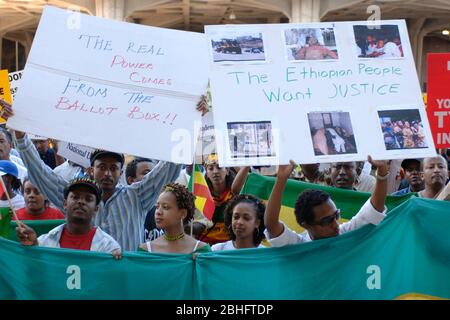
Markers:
144,205
403,135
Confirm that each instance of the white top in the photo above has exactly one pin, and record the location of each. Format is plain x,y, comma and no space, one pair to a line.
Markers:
18,202
68,171
366,183
149,246
229,245
367,214
102,242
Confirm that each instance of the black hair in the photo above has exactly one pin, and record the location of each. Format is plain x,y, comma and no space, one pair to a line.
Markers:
7,134
130,171
305,204
229,178
260,208
25,180
185,199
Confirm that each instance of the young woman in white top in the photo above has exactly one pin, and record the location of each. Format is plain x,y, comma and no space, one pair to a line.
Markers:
174,208
244,220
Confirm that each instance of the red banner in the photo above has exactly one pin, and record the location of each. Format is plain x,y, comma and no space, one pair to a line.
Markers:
438,96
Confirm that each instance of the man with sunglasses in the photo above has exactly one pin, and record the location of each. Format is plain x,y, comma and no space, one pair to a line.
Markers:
316,212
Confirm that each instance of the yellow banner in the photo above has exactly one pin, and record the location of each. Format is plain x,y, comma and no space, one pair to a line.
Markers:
5,91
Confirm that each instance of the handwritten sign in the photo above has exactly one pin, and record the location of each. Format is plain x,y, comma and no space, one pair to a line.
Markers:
5,92
74,152
14,80
113,85
317,92
438,96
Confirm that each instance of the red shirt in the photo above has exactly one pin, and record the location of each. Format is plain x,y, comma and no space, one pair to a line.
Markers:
77,241
48,214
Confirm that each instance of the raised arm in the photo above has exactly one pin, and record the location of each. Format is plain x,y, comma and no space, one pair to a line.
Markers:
151,185
239,180
41,175
272,214
379,194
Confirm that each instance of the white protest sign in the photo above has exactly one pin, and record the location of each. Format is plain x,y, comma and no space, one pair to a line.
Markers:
206,140
76,153
14,80
316,92
113,85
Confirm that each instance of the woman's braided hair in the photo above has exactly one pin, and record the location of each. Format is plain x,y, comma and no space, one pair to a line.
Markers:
185,199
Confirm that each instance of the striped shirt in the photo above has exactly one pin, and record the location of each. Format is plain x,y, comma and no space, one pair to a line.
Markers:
123,214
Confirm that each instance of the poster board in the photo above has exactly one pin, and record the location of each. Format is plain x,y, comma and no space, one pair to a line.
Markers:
5,92
76,153
113,85
438,97
14,80
314,93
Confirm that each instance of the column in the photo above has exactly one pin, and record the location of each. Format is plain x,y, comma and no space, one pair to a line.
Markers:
110,9
305,11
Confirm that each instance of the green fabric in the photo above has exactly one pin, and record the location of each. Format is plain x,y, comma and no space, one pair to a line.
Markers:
411,247
347,200
39,226
5,219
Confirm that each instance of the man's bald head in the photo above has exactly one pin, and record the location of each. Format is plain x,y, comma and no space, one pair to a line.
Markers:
435,172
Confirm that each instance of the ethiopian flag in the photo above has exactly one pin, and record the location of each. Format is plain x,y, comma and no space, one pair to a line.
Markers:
347,200
203,199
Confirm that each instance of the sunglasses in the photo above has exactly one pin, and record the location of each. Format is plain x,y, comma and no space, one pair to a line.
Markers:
326,221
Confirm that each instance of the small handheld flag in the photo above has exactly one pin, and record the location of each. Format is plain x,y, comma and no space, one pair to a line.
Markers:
203,199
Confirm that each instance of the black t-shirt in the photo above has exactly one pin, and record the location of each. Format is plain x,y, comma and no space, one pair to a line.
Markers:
151,231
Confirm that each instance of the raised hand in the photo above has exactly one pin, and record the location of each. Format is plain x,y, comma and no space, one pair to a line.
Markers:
26,235
285,170
6,109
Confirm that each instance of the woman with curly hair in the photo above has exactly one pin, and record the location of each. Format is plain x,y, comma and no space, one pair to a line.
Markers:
174,208
244,220
223,184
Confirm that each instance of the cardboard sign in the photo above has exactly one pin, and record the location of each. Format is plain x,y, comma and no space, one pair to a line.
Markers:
316,92
113,85
206,140
5,92
438,97
14,80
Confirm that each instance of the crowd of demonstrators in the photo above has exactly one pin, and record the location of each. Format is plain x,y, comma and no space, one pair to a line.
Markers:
244,220
81,200
174,208
154,214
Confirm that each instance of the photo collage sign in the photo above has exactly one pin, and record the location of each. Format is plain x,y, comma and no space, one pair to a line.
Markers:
316,92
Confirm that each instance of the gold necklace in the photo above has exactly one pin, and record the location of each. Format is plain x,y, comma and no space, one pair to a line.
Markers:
174,238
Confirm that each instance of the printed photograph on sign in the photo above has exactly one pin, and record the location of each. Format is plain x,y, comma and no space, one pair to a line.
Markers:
382,43
250,139
310,44
331,133
238,45
402,129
